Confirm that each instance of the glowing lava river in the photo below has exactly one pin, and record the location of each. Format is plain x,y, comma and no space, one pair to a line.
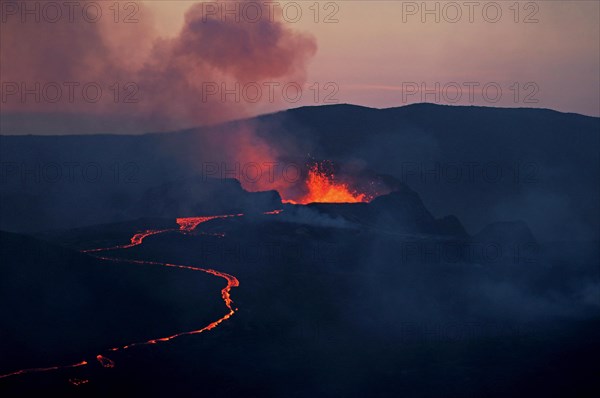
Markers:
186,225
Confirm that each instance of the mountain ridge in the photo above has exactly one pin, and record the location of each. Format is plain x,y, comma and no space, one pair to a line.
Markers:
312,107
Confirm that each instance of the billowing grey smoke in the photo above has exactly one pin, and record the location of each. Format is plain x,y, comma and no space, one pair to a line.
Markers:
145,81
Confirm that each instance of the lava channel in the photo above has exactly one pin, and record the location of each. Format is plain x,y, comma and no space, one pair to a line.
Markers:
186,225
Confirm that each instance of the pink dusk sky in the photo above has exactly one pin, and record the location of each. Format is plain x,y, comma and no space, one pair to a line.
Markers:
374,53
377,46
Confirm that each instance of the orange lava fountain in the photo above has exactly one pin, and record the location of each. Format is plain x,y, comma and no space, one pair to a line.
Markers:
323,188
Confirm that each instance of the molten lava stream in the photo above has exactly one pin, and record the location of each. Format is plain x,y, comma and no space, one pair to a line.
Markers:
186,225
36,370
232,281
273,212
136,240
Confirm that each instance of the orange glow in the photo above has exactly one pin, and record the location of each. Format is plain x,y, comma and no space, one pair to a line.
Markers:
105,362
323,188
273,212
188,224
135,240
231,282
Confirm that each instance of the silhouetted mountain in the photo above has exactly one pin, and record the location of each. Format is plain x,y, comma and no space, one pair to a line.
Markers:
198,196
399,211
477,163
450,225
506,231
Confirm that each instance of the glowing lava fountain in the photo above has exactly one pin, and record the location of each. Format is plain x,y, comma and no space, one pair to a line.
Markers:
323,188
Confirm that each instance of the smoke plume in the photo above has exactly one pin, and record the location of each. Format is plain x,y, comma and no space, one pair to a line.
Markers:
147,81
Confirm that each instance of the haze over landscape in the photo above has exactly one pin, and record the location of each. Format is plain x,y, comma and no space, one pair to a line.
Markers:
296,199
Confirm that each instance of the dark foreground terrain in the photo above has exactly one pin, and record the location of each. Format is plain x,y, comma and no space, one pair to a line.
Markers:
334,300
472,273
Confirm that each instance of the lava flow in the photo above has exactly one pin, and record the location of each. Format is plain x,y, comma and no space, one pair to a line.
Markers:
273,212
37,370
186,225
225,294
135,240
105,362
323,188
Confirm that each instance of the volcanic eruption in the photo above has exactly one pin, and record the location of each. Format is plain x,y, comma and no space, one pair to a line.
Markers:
323,187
